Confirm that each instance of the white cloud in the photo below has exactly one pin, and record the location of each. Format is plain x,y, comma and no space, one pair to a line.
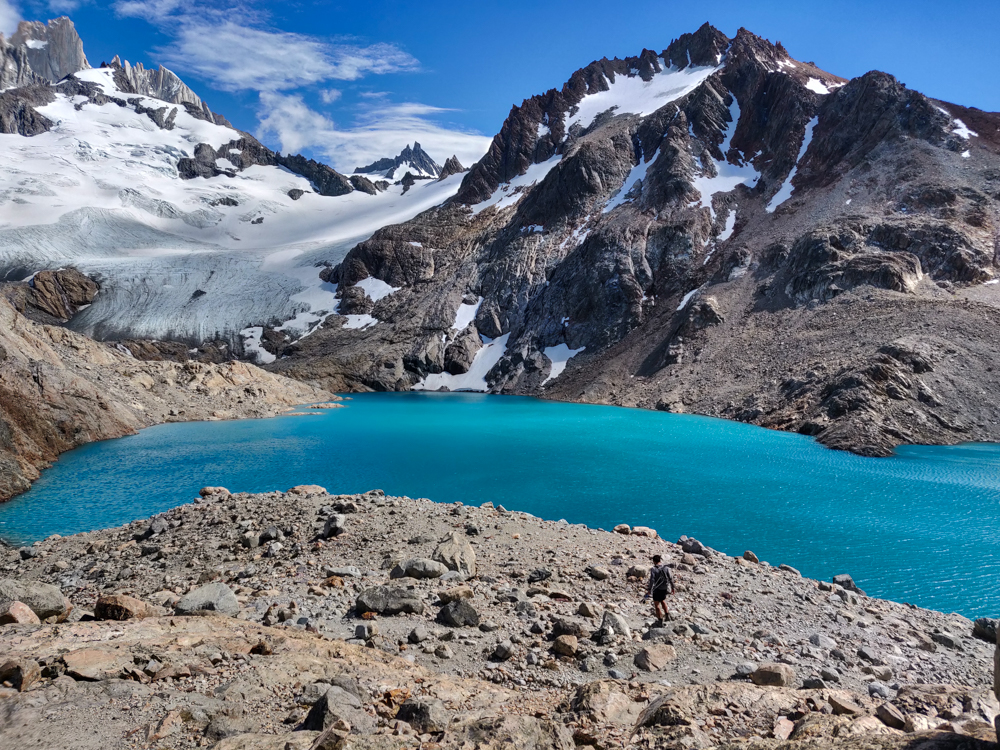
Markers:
382,130
9,17
329,96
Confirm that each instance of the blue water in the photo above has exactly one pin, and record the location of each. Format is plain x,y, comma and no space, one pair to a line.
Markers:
921,527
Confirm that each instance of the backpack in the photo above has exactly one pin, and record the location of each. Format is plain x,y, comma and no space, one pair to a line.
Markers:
661,578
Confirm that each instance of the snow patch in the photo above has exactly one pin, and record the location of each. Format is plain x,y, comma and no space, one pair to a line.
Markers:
730,225
510,192
786,189
632,95
687,298
360,321
635,179
473,380
466,314
251,345
36,44
728,176
817,85
376,289
959,128
559,356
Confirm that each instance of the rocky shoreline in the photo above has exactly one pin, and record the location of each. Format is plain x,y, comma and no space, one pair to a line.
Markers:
302,619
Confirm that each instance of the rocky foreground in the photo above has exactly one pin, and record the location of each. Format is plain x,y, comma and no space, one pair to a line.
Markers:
305,620
59,390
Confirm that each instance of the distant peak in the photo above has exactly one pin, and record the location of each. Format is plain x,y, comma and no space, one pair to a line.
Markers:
411,159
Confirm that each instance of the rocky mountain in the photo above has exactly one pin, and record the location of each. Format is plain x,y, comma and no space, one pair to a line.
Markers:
414,160
194,230
715,228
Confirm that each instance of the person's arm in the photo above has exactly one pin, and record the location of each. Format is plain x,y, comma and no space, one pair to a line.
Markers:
649,584
670,579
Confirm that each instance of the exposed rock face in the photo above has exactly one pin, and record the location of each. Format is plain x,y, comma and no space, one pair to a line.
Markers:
414,159
451,166
725,249
59,389
54,50
17,110
52,296
160,84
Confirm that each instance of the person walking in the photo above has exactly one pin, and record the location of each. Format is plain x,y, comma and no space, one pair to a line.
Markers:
660,583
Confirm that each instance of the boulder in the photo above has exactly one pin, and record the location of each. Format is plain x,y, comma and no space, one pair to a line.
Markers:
985,629
846,582
123,607
44,599
504,651
822,641
612,622
455,593
604,700
308,489
570,626
457,554
750,556
335,705
212,598
655,657
774,675
419,567
644,531
565,645
694,547
21,673
209,491
891,716
335,525
90,664
458,614
638,571
388,600
842,704
425,715
17,613
623,528
598,573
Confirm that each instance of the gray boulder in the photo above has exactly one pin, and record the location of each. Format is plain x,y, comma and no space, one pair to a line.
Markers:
426,715
616,624
388,600
457,554
419,567
335,525
336,704
458,614
845,581
212,598
44,599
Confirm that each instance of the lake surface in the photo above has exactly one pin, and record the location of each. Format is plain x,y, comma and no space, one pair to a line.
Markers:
922,527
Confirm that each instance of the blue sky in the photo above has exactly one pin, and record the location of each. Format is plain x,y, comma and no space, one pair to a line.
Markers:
348,82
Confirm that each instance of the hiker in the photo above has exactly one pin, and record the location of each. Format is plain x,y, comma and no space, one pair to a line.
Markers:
660,581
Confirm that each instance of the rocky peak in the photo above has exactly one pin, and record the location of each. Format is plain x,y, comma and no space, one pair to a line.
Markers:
413,160
451,166
54,50
160,84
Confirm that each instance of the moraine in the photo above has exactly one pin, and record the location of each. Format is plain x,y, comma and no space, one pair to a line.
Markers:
920,527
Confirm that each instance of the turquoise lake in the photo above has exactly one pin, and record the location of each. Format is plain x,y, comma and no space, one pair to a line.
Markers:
922,527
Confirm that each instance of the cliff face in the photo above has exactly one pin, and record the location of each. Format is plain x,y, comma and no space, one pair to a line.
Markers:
716,228
59,390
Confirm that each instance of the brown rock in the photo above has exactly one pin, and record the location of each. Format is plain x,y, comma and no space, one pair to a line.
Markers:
209,491
655,657
750,556
776,675
891,716
782,729
21,673
455,593
842,704
308,489
565,645
18,613
89,664
124,607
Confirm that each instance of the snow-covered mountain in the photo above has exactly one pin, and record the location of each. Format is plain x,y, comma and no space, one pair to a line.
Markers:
414,160
194,229
716,227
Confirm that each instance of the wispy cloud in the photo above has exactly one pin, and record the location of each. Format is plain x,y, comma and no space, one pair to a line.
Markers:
231,45
9,17
381,130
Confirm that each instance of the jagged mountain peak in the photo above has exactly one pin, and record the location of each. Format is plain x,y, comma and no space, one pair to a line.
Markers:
413,159
160,83
54,49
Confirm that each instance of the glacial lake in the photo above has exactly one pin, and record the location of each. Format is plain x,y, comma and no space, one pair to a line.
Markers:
922,527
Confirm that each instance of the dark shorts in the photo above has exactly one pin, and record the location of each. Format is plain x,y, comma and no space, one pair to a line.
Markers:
659,596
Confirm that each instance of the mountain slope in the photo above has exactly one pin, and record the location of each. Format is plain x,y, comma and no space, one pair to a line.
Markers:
715,228
194,229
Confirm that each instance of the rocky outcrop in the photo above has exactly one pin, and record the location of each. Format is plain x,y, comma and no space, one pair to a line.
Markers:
51,296
160,83
451,166
18,114
552,658
59,390
54,50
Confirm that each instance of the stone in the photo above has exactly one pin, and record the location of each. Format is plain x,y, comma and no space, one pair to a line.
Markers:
418,635
985,629
750,556
44,599
598,573
842,704
335,705
212,598
503,651
539,574
694,547
123,607
655,657
782,729
570,626
308,489
891,716
947,640
17,613
822,641
458,614
878,689
420,568
90,664
773,675
21,673
425,715
868,654
614,623
348,571
456,554
644,531
455,593
623,528
388,600
334,526
210,491
565,645
789,569
588,609
846,582
638,571
444,652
